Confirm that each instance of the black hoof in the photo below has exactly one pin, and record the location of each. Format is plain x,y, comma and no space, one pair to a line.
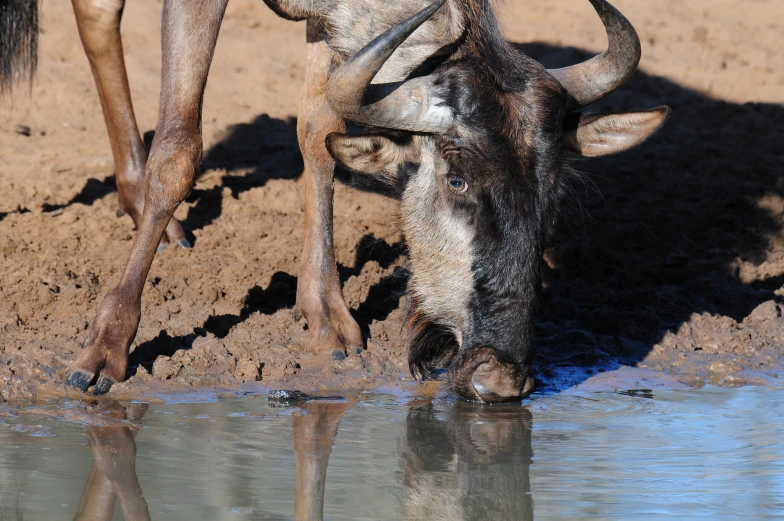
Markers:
102,386
80,380
184,244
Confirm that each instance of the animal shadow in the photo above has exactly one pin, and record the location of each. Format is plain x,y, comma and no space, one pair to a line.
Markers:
279,294
382,299
651,236
384,296
93,190
265,149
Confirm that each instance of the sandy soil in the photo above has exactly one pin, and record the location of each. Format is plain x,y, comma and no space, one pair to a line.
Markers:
667,268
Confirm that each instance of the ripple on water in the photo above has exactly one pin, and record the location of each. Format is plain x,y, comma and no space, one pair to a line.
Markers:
33,430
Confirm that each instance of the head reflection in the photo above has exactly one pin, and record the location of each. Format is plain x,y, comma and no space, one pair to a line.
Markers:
113,472
468,462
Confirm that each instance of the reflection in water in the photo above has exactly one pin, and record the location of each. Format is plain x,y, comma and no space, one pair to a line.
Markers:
468,463
314,433
465,462
598,456
113,472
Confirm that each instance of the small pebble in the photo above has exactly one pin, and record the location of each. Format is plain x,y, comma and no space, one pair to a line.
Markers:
285,398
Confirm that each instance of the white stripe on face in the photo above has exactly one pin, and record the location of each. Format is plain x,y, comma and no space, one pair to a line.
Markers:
440,243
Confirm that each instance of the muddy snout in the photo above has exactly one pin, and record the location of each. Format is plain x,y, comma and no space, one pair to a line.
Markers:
480,375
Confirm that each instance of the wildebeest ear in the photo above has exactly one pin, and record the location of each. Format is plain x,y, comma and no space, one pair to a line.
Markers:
595,135
368,154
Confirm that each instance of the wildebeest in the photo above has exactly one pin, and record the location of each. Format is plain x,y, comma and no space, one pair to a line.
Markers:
471,135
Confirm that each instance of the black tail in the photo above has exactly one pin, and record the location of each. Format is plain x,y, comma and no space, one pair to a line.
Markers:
18,41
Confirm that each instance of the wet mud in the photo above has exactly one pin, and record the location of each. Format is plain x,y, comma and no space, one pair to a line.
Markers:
667,268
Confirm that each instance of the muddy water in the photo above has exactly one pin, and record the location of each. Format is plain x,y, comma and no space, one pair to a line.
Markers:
712,453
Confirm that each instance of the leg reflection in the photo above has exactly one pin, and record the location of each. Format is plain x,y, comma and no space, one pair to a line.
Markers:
470,462
314,432
113,473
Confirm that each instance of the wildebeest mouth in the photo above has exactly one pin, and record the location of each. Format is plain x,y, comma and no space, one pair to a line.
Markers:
477,373
481,374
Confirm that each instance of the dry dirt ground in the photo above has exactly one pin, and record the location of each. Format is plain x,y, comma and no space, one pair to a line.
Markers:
667,269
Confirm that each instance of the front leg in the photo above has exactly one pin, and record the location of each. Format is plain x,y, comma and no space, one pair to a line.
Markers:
190,30
319,296
99,28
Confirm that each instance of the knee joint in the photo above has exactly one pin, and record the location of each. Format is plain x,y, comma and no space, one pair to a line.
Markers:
171,170
99,14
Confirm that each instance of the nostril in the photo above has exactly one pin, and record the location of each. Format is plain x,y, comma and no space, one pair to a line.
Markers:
497,382
479,374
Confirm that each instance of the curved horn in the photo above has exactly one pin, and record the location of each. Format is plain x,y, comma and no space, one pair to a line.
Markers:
411,105
593,79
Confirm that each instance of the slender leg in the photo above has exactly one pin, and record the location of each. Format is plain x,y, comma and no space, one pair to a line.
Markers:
190,30
319,296
97,502
114,458
113,472
99,28
314,433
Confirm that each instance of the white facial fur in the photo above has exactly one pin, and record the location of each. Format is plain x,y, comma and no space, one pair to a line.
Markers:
439,242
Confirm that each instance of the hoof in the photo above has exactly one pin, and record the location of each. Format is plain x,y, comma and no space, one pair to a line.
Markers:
297,314
161,247
184,244
119,213
103,385
80,380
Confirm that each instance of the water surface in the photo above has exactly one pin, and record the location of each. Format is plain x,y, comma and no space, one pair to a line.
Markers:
708,454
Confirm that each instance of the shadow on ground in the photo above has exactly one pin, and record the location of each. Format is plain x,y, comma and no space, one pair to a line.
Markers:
263,149
382,299
649,237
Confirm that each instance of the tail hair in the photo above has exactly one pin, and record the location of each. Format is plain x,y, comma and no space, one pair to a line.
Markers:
18,42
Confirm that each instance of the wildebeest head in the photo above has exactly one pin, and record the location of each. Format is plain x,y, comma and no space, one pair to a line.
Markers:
477,153
469,462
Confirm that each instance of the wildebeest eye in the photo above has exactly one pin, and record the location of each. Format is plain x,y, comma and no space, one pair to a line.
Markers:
457,184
